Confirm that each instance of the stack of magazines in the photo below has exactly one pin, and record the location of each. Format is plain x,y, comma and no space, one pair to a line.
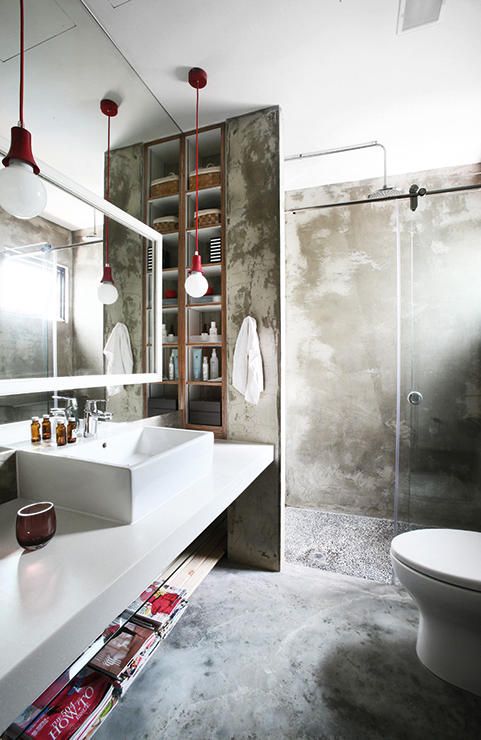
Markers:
75,712
124,656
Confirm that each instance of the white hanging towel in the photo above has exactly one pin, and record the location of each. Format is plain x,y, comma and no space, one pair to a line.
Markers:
118,355
247,374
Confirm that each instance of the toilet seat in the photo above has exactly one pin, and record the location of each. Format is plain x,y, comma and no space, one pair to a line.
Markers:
452,556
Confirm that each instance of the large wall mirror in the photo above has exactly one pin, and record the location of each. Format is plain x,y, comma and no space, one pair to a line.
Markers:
53,329
55,333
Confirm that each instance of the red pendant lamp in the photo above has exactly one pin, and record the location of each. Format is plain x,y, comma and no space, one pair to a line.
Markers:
22,192
107,292
196,285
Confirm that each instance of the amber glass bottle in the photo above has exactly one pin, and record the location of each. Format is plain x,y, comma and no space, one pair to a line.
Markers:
71,430
46,428
61,433
35,429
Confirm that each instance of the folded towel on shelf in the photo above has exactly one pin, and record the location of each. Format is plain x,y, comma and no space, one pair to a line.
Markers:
118,355
247,373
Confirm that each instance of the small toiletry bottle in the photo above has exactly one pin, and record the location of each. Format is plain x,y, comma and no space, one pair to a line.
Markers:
205,333
35,429
61,432
164,332
205,369
46,428
214,365
71,430
171,367
213,331
171,335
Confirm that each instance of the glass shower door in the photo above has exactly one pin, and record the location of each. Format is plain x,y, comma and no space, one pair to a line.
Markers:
441,367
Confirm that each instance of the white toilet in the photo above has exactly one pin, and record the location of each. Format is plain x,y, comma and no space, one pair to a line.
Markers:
441,569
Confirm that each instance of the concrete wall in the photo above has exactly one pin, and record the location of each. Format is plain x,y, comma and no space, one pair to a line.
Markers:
126,258
25,341
253,256
341,373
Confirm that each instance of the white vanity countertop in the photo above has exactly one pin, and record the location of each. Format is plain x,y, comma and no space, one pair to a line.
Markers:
57,600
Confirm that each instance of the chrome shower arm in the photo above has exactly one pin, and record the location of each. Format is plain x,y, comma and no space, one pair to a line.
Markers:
339,149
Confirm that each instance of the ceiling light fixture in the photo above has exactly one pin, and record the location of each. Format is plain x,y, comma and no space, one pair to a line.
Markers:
416,13
107,292
22,192
196,285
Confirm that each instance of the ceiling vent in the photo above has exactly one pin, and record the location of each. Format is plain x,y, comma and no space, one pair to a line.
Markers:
415,13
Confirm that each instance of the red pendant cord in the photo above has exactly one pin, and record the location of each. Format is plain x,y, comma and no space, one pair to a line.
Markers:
197,171
22,64
107,195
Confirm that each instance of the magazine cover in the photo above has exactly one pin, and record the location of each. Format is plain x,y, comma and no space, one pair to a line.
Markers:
139,662
149,591
161,606
36,707
120,650
72,707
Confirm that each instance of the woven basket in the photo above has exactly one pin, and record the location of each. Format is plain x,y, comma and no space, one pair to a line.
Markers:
209,217
209,177
165,186
166,224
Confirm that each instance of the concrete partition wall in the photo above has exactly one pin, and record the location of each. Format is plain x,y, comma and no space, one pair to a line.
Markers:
253,269
126,258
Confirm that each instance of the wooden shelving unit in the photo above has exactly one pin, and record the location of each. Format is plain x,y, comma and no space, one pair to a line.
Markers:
201,404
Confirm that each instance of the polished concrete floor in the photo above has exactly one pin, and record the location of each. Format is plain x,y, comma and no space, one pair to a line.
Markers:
300,654
341,543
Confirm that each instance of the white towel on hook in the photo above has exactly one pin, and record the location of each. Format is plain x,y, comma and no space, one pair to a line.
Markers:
118,355
247,373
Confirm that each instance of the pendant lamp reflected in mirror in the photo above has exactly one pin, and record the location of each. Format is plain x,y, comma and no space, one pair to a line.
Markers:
107,292
22,192
196,284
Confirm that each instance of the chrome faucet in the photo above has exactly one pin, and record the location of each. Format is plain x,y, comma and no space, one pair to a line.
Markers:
92,415
70,408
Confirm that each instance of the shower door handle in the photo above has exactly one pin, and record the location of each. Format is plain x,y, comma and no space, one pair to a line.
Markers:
415,398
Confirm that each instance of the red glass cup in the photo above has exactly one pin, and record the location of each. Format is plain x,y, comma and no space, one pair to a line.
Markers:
36,525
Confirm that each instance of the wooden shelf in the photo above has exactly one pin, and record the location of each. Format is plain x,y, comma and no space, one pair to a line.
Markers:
212,383
164,198
204,229
211,189
217,305
176,153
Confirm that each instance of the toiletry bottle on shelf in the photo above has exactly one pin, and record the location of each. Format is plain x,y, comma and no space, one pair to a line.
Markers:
197,363
171,335
214,365
71,430
171,367
205,369
46,428
205,334
164,333
35,429
61,432
213,331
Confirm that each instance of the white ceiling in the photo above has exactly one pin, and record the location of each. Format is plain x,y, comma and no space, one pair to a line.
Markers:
338,69
70,65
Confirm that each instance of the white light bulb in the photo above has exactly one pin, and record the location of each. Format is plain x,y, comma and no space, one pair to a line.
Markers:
196,285
22,193
107,293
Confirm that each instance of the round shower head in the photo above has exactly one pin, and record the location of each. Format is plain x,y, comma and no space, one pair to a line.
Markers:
384,192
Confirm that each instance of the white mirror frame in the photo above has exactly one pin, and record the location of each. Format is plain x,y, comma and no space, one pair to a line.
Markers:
17,386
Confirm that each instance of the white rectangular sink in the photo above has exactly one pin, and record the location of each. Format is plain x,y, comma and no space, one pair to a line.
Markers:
122,477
